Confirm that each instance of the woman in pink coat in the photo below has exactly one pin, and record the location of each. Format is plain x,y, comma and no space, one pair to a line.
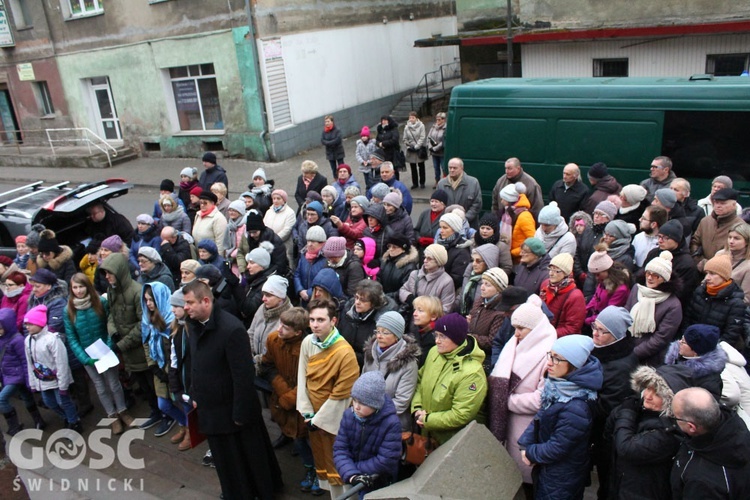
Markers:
517,379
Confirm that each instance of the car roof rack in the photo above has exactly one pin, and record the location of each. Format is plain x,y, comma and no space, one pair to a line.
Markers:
35,192
33,185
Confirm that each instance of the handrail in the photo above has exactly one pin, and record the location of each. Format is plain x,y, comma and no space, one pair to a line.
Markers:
447,71
85,138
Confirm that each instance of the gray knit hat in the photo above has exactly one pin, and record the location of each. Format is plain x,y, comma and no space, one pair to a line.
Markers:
369,389
276,286
615,319
260,256
454,222
550,214
393,322
666,197
32,239
238,206
489,253
177,299
361,201
379,190
150,253
316,233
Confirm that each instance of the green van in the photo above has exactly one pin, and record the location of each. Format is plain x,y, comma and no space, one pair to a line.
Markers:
702,123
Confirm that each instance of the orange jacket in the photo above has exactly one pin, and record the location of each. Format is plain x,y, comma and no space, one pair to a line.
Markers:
524,227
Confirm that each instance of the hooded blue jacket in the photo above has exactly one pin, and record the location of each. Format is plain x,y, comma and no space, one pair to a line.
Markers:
371,446
557,440
154,339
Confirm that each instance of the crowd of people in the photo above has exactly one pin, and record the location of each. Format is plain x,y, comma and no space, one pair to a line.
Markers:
607,328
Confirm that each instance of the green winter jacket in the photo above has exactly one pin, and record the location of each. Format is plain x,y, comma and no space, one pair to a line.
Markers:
125,311
87,329
451,389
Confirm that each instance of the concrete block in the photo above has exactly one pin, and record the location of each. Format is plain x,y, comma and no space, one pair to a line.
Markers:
472,465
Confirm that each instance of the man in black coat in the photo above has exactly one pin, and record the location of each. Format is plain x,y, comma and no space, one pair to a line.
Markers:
570,192
174,250
105,221
212,174
222,390
714,462
613,347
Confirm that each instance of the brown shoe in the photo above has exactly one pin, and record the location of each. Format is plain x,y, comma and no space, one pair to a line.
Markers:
117,427
179,436
185,444
126,419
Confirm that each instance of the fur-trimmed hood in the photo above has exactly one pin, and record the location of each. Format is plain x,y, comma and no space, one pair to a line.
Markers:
406,351
410,257
710,363
58,260
580,215
666,381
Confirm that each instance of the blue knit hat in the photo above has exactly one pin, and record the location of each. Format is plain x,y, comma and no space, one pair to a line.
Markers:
369,389
702,338
209,246
615,319
574,348
379,190
316,206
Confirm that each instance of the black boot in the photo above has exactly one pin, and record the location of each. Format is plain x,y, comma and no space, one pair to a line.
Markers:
14,427
39,422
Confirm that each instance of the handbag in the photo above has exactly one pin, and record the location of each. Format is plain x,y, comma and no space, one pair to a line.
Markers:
399,161
416,447
422,153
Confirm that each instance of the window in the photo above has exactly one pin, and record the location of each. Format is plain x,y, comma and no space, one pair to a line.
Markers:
196,97
705,144
610,67
726,64
80,8
43,99
21,16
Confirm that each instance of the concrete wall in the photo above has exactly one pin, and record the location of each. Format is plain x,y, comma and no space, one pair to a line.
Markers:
276,17
682,56
474,15
608,13
332,72
142,92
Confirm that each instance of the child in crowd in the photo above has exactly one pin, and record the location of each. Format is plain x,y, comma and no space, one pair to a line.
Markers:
279,366
90,261
47,362
22,252
368,445
179,365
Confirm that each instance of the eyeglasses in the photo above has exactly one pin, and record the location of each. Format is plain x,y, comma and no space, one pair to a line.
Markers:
658,167
555,271
651,274
555,360
662,237
645,219
378,331
600,330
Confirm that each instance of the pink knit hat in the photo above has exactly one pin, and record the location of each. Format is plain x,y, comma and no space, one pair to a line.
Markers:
600,261
282,193
365,131
36,316
335,247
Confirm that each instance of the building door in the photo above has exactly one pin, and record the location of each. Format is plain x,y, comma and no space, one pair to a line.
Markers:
8,124
105,112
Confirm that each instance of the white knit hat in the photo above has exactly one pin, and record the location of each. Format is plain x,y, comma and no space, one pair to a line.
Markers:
529,314
512,192
564,262
661,265
454,222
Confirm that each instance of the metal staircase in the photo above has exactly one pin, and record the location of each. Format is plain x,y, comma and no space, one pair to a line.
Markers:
433,85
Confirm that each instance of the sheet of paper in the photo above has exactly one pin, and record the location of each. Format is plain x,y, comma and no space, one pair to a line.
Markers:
97,350
105,357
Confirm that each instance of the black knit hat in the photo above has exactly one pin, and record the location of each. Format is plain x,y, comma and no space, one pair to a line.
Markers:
598,171
672,230
48,242
440,195
166,185
512,296
209,157
489,219
208,195
399,240
254,221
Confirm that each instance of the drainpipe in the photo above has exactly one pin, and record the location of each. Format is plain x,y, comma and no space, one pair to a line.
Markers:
264,136
509,38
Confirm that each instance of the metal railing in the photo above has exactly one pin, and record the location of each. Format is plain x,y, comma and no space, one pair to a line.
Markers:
87,137
436,80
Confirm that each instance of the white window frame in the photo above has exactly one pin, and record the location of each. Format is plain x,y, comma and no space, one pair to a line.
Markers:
21,15
70,14
193,78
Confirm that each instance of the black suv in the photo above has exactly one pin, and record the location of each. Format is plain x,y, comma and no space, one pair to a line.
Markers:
58,207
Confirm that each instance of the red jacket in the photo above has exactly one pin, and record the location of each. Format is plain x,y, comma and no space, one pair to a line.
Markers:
568,307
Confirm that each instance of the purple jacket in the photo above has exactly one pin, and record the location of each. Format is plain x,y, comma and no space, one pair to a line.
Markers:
602,299
13,366
369,447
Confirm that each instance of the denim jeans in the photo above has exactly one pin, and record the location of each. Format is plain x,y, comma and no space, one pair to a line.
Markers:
437,165
60,404
109,390
10,390
169,408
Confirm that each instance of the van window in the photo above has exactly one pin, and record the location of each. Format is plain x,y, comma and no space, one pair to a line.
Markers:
704,144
